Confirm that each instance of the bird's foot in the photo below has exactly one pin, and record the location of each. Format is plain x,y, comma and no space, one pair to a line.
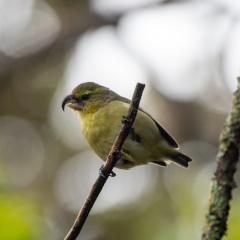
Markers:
102,173
125,120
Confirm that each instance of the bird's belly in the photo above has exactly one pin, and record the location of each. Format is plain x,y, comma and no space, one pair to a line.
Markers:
101,129
100,134
101,139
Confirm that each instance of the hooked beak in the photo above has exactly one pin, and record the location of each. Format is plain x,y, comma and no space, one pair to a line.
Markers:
72,102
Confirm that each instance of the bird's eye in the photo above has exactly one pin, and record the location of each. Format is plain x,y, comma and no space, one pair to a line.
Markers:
85,97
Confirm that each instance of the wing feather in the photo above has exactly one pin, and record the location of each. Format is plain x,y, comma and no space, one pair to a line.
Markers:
167,137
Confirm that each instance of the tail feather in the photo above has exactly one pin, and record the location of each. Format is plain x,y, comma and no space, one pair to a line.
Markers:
168,155
160,163
181,159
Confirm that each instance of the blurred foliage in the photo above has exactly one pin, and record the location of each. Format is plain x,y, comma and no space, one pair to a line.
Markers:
233,222
19,218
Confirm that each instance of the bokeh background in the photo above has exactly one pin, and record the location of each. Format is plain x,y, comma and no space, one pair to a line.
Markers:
187,53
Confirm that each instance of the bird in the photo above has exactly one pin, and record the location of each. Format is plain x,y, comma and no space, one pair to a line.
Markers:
101,113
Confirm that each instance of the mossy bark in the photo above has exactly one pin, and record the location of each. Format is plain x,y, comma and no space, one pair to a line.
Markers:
223,181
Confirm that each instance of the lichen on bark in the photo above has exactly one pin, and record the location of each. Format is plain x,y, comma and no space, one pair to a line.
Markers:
223,180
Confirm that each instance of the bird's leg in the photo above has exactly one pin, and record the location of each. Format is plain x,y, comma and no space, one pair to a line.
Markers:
102,173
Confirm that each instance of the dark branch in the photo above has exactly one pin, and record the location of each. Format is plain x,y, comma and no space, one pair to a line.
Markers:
223,181
109,165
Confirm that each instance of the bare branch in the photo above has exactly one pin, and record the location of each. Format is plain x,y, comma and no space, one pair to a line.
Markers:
223,181
109,165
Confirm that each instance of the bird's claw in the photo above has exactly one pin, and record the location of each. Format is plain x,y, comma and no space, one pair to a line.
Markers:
112,174
125,120
102,174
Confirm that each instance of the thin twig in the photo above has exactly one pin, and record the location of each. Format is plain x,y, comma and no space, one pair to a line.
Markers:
112,158
223,181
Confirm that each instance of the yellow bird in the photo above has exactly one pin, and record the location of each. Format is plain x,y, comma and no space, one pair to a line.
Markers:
101,112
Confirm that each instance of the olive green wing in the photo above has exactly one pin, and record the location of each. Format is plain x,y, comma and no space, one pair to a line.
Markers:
166,136
169,139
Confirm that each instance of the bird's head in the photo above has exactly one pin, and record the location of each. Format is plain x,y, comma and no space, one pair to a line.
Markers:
88,97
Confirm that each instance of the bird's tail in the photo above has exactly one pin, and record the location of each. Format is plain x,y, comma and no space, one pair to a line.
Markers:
180,159
171,155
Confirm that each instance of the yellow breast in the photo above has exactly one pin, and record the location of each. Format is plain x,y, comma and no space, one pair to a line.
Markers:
100,129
